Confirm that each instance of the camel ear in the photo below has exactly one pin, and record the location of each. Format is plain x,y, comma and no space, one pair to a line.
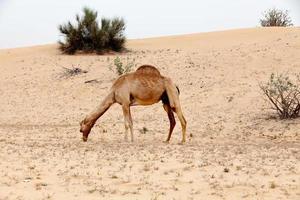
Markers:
81,122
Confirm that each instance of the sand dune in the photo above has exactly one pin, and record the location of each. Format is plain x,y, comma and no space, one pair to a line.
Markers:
237,149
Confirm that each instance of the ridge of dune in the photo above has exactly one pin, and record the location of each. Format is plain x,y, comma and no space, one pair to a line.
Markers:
205,39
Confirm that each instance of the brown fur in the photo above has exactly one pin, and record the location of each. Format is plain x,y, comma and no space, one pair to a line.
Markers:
145,86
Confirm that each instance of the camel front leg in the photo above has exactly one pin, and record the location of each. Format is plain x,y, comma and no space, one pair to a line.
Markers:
126,128
128,121
171,119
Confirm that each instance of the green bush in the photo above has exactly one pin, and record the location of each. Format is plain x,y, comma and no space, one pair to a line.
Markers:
283,94
87,35
121,68
276,17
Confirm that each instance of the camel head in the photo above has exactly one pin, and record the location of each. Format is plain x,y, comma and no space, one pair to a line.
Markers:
85,129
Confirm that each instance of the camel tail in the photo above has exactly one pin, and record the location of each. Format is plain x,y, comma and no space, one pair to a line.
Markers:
178,89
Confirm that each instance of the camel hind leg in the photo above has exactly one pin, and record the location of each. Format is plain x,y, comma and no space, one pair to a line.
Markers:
171,119
182,120
173,97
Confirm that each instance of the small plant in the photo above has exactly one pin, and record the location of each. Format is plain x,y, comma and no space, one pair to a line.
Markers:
147,167
121,68
87,35
67,73
283,94
272,185
92,190
114,176
276,17
144,130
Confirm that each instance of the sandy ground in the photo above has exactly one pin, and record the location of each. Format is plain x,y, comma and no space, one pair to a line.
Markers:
238,150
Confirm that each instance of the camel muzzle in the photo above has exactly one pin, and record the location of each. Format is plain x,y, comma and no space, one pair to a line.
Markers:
84,138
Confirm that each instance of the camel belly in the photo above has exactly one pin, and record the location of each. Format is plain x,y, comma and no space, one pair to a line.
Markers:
139,102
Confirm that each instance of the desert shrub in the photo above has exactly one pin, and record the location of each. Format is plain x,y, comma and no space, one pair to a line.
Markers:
121,68
276,17
88,35
69,72
144,130
283,94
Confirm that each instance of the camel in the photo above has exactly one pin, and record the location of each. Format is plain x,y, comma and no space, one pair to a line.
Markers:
145,86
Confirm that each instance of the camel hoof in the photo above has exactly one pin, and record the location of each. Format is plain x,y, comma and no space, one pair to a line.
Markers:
181,143
166,141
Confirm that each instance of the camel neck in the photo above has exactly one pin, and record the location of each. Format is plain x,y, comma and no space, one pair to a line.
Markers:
101,109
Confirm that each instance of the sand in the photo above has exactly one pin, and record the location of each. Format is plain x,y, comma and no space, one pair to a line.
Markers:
236,148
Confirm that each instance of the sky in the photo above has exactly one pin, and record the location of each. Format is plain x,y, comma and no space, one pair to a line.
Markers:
34,22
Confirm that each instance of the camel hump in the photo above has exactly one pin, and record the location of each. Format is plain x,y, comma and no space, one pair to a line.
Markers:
148,69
